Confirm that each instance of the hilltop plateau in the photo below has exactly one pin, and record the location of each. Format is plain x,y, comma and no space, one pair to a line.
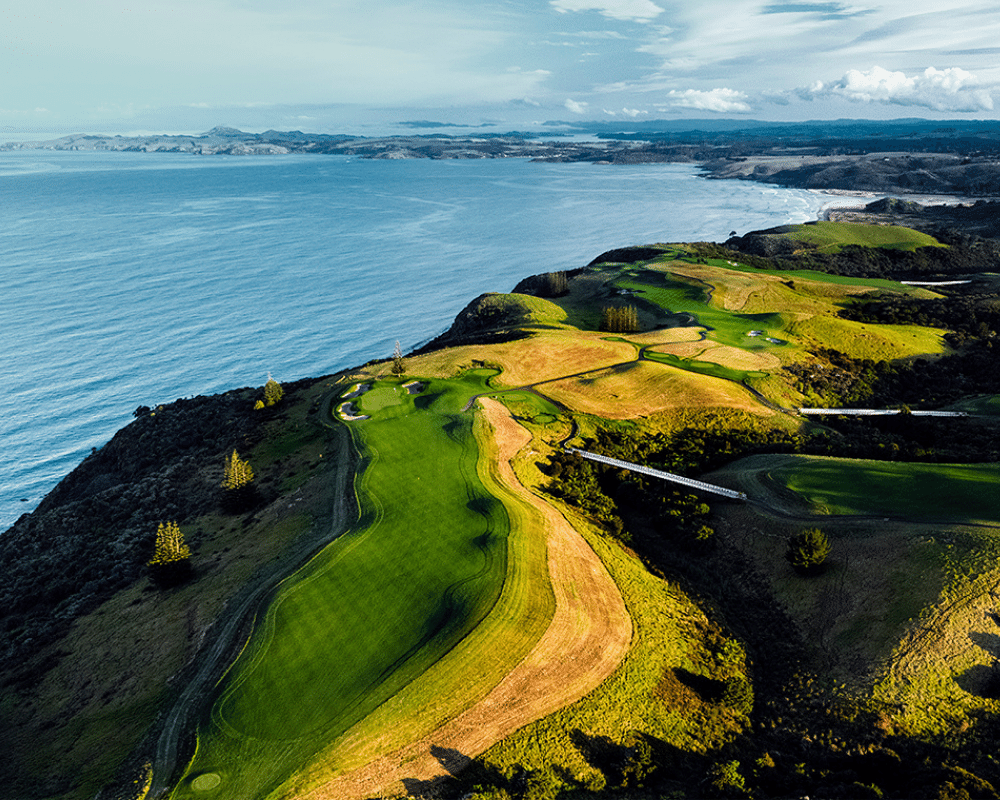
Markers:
412,578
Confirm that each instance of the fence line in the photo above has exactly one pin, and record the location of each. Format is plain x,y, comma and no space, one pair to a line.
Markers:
656,473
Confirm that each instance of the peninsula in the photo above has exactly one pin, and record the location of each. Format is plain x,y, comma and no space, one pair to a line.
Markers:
959,158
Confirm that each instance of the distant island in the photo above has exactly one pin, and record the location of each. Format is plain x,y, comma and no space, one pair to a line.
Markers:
956,158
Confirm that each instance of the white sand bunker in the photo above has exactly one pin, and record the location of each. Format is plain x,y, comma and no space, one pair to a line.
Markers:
349,412
414,387
356,391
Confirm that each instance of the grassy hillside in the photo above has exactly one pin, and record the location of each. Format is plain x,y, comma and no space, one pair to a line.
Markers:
832,236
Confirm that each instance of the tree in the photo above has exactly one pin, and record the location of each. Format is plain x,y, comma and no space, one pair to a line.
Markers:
398,366
272,392
170,545
237,480
620,320
807,551
171,561
237,473
555,284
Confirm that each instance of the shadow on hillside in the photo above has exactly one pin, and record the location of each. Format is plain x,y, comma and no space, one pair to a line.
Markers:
455,763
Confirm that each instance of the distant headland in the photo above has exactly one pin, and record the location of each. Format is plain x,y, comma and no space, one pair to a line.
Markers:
952,158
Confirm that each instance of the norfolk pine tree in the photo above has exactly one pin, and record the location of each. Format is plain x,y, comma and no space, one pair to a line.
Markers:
272,392
398,367
237,473
237,482
171,561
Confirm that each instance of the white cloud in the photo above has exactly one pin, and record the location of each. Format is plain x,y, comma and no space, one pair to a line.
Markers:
632,10
575,107
719,100
626,112
951,89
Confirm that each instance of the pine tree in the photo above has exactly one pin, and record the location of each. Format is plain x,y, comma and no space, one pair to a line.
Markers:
170,545
272,391
620,320
237,473
171,561
398,366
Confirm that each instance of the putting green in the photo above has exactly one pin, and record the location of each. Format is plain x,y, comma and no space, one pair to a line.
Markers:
374,610
681,297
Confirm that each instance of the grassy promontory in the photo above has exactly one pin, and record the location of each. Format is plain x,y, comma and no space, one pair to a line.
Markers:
424,593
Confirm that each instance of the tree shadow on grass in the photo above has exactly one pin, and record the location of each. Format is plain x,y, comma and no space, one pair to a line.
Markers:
708,689
462,770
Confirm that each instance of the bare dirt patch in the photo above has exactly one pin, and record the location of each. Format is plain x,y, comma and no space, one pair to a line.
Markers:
588,637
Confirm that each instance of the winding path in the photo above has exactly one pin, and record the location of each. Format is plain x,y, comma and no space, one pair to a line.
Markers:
236,624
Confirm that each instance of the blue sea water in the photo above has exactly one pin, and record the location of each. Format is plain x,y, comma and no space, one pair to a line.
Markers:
134,279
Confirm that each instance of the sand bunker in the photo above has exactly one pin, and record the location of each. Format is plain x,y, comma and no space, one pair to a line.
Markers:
349,412
356,391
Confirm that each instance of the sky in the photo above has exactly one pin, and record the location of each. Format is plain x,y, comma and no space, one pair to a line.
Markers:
329,66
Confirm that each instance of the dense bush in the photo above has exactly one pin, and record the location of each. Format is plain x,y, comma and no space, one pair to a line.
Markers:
808,550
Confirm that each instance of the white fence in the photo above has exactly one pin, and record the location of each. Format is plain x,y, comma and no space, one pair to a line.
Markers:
655,473
879,412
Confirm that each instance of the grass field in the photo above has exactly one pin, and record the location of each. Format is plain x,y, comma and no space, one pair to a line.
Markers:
375,610
904,611
864,340
830,237
965,493
688,297
643,388
987,406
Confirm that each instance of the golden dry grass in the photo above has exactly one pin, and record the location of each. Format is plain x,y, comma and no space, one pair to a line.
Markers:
588,637
661,335
539,357
643,388
723,355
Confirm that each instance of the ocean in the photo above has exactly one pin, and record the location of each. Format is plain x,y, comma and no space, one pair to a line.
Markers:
134,279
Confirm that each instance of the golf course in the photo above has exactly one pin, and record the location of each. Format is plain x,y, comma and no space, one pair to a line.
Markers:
422,590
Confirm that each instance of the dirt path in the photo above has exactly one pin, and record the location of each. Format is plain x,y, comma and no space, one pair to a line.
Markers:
236,624
588,637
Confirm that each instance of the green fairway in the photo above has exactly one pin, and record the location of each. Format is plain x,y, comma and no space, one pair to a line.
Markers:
953,492
986,406
683,297
704,367
374,610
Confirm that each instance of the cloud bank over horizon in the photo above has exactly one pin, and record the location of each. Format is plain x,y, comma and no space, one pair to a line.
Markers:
330,65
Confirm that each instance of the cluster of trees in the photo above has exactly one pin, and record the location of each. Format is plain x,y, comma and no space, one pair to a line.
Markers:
624,319
834,379
171,561
554,284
